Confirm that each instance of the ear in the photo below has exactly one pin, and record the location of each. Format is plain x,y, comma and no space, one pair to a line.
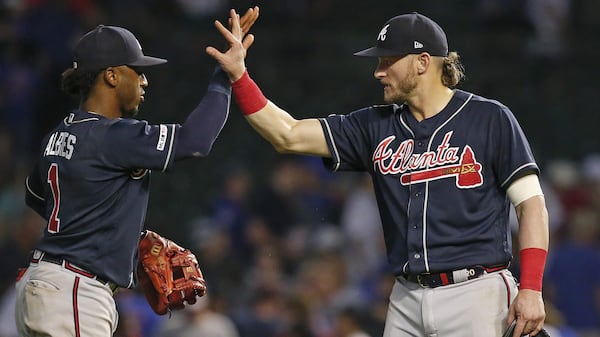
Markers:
110,76
423,62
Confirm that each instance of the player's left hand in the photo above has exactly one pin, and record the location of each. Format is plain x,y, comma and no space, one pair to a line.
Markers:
528,309
232,60
247,20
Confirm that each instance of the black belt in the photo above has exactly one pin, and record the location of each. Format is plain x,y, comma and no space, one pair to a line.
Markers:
69,266
433,280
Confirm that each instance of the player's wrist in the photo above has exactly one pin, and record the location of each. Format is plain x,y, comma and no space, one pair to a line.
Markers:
237,75
533,261
220,82
248,95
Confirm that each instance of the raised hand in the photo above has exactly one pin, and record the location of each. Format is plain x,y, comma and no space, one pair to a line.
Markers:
232,60
247,21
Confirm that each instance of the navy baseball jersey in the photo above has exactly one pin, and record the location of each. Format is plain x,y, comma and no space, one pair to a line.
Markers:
102,168
441,182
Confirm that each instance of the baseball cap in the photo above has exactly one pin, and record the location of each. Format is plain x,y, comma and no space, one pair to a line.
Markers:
412,33
110,46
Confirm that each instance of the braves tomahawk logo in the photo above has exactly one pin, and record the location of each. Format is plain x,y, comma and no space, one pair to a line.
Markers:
414,168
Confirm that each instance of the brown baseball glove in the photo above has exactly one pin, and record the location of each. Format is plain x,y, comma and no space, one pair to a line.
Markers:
168,274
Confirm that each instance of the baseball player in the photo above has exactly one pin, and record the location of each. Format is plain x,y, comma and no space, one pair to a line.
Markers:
446,165
91,184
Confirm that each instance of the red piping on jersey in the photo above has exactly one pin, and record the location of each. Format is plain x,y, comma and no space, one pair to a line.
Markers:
75,307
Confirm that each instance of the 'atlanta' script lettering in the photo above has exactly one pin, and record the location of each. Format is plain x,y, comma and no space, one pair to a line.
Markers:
388,161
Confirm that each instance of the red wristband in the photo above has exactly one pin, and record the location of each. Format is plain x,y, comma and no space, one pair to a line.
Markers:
247,94
533,261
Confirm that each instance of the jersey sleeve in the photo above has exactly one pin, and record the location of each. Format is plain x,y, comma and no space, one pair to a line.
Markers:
34,192
136,144
514,157
348,140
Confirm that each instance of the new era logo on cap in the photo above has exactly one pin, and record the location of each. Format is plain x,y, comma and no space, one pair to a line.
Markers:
412,33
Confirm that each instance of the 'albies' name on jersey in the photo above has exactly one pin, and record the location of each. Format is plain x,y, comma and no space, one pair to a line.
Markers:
61,144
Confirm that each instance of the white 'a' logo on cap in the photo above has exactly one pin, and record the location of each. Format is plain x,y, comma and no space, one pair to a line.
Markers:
382,33
418,45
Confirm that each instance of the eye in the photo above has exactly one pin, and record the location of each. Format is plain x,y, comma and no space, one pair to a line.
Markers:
138,70
385,61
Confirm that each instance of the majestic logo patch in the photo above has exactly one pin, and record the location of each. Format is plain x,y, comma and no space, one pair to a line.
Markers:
162,138
430,165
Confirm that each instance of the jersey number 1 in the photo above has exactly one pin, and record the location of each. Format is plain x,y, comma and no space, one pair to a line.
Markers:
54,221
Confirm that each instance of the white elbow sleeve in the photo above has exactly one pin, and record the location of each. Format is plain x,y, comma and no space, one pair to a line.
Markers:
524,188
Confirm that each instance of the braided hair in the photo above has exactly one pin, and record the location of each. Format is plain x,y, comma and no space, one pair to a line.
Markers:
79,83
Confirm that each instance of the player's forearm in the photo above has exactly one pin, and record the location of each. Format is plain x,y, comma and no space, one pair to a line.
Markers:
274,125
200,130
533,241
533,223
277,126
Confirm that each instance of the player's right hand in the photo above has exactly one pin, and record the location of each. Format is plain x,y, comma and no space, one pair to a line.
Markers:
528,309
232,60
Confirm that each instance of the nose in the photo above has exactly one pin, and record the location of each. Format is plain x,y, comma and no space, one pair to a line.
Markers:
143,80
380,70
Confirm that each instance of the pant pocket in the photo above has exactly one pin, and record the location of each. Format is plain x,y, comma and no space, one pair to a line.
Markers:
47,309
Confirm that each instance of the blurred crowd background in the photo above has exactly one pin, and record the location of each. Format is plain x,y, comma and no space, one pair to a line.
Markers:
289,249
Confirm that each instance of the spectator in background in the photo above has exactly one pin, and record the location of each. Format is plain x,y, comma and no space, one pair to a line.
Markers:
198,320
222,269
295,318
136,318
263,317
230,208
555,323
348,323
573,277
590,173
278,202
20,86
361,227
550,20
325,287
565,180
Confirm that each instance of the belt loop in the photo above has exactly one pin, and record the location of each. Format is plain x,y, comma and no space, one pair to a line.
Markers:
420,281
36,255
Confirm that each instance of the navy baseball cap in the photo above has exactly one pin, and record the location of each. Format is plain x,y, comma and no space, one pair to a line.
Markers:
110,46
412,33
